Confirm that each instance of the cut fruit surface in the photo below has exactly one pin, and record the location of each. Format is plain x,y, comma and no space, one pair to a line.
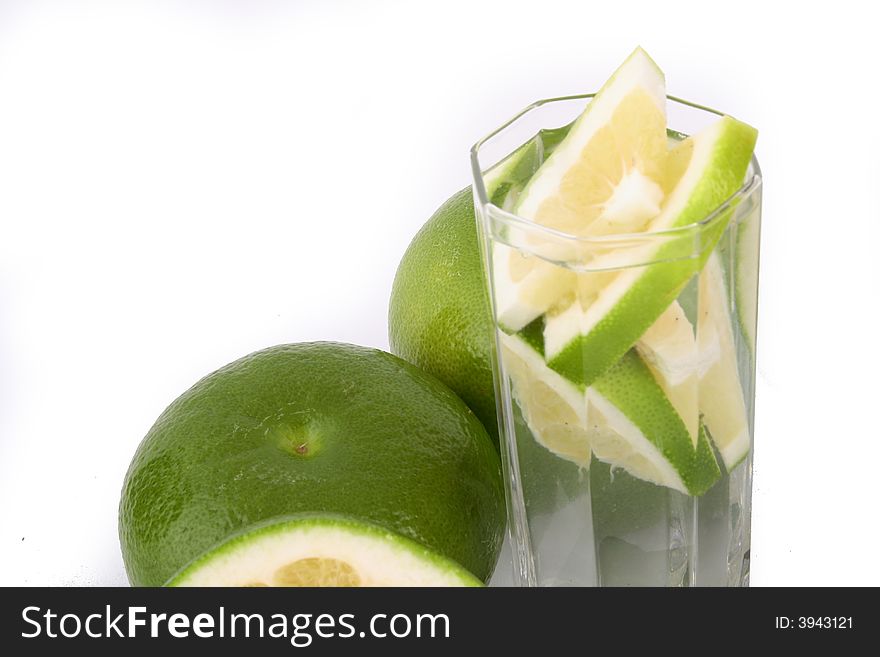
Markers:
584,342
669,349
322,552
722,402
554,409
625,419
596,280
526,286
606,176
317,430
636,427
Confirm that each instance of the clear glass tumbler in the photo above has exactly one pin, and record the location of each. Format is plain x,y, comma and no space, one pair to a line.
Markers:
633,472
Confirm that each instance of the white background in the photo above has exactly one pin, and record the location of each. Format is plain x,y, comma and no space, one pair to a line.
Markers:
182,183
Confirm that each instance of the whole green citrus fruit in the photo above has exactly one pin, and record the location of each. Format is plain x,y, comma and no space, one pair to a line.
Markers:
439,317
317,463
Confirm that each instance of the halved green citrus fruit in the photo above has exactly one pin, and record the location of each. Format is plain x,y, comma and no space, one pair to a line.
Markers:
322,551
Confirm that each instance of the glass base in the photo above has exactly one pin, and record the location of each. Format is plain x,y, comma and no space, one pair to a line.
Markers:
603,527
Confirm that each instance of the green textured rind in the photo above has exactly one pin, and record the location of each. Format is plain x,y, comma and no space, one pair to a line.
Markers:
654,414
631,387
533,334
587,357
244,539
439,316
392,447
706,470
511,175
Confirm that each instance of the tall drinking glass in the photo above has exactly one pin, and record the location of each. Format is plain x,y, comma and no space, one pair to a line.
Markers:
628,471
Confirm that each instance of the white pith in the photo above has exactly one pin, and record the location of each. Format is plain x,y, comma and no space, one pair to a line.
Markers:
635,200
635,197
671,346
669,349
616,440
378,561
690,364
562,328
599,427
639,71
519,302
722,401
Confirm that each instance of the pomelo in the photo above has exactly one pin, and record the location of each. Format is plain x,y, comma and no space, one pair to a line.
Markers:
616,169
608,175
438,316
318,464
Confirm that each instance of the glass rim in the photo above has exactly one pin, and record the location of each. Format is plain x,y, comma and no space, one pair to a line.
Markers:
752,183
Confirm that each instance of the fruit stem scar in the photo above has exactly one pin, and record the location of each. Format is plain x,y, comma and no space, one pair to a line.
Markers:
300,441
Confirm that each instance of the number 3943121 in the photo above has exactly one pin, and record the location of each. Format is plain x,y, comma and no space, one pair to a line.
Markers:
814,622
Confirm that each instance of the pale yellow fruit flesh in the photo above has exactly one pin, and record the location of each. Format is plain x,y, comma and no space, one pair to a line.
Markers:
609,175
313,553
313,571
554,409
722,401
616,440
669,349
616,184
